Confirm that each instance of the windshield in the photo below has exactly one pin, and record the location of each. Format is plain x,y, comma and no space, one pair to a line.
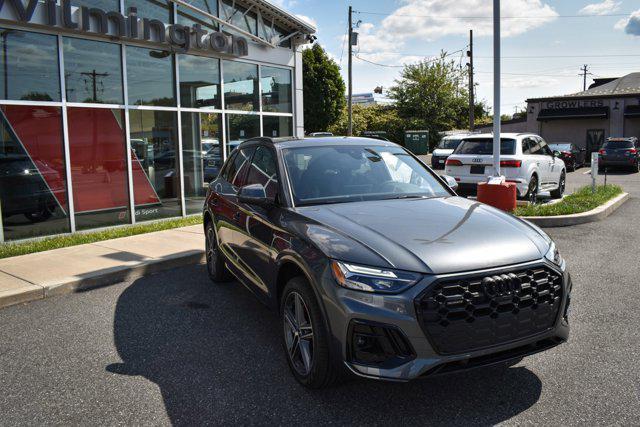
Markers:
485,146
336,174
560,147
449,143
618,144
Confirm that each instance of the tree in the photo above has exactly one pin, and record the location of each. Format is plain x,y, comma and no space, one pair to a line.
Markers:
372,118
431,95
323,90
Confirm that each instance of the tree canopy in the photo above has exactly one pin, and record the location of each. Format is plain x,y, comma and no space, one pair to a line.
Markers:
324,90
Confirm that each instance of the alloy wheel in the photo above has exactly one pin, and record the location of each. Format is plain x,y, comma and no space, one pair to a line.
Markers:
298,333
533,190
211,250
563,183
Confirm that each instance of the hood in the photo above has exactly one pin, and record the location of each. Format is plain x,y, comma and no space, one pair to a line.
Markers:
440,235
439,152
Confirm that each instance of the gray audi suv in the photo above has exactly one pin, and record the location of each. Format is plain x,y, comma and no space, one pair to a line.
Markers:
375,266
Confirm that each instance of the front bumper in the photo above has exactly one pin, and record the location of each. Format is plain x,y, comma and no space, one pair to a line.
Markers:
344,307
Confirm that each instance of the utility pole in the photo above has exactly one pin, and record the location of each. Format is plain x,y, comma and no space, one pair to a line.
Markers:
585,72
472,118
94,77
350,89
496,87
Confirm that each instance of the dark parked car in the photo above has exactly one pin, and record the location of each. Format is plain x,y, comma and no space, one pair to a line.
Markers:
572,156
374,264
620,152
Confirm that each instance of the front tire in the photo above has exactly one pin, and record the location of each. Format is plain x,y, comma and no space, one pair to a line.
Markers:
305,337
558,193
216,268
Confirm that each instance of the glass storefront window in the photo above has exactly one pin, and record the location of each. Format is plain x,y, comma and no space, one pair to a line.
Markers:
189,17
97,149
241,127
199,81
150,77
29,68
239,17
156,182
277,126
241,86
33,189
276,90
201,156
151,9
92,71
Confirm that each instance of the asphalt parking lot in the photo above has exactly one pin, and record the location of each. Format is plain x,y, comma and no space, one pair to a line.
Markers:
174,348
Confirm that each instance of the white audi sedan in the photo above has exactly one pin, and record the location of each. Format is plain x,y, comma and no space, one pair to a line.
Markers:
525,159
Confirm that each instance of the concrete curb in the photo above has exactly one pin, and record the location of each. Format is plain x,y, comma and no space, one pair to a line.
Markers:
101,278
597,214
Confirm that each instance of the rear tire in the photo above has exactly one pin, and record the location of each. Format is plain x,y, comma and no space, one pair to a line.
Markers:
557,193
532,189
216,268
305,338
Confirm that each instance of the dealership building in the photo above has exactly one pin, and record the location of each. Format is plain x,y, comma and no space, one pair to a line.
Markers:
609,108
120,111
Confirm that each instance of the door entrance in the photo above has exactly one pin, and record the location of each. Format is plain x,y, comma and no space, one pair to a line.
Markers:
595,140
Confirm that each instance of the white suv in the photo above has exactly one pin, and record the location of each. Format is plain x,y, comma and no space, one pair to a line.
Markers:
525,159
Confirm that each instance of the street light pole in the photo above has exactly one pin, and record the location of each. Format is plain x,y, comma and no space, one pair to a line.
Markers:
350,89
496,87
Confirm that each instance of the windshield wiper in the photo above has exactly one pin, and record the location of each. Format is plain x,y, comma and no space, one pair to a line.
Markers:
407,196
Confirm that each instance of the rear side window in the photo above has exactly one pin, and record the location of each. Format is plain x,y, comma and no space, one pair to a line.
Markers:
618,144
484,146
238,166
263,171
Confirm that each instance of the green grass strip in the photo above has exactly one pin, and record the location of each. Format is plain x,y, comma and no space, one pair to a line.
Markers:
582,200
55,242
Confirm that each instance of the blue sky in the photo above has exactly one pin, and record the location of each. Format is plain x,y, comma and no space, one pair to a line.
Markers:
606,36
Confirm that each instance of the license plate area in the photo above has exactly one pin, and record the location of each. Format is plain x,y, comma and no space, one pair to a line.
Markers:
477,169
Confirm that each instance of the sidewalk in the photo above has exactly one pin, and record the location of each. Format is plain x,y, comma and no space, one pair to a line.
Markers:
40,275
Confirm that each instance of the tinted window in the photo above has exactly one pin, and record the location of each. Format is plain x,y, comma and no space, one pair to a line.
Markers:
241,127
355,173
484,146
239,17
151,9
449,143
235,174
545,148
29,68
560,147
618,144
263,171
150,77
92,71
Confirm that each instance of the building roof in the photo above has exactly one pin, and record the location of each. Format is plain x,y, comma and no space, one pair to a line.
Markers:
628,85
281,17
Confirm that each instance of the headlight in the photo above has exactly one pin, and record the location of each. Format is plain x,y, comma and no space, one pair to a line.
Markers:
553,255
370,279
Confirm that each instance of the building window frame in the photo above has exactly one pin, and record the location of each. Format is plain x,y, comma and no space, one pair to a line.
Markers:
127,107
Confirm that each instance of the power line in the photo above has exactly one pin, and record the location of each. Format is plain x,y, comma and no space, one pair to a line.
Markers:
435,58
562,56
491,18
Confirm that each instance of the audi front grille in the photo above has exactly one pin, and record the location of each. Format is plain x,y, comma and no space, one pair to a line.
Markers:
470,313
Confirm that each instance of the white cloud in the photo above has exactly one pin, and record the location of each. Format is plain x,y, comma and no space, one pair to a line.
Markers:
630,25
602,8
308,20
432,19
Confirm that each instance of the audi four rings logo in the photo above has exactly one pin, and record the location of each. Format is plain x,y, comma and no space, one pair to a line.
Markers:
502,285
477,160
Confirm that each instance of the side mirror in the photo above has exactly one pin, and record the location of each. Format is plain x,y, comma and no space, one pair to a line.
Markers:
556,154
451,182
254,194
